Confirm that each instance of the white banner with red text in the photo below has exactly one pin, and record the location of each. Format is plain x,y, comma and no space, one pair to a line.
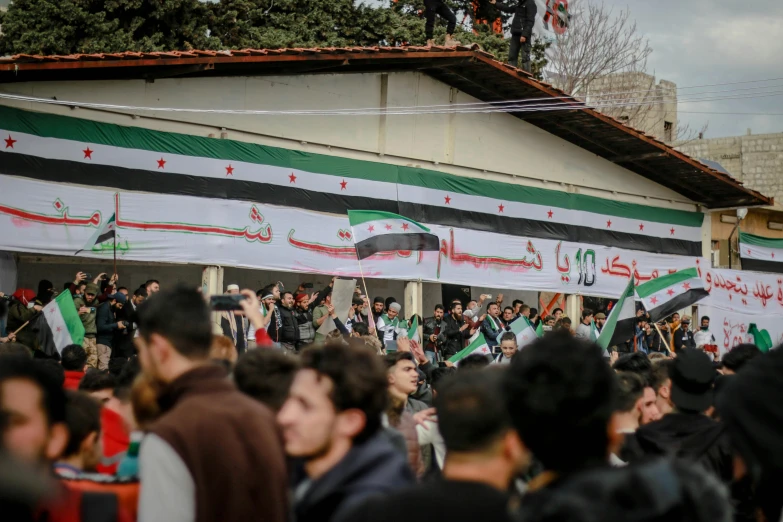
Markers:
741,291
59,219
731,328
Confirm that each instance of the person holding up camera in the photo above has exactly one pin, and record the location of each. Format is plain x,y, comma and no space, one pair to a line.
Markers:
108,326
521,30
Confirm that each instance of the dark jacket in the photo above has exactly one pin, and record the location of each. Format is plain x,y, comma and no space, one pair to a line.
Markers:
656,343
693,437
18,314
374,467
290,331
683,339
524,17
106,324
304,322
235,458
491,334
453,339
430,327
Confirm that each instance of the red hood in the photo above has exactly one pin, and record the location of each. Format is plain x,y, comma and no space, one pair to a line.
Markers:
72,379
116,440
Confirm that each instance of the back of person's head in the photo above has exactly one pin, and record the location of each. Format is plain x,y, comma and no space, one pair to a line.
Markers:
358,381
470,417
474,361
97,380
361,329
739,356
124,381
438,375
116,366
266,375
54,369
636,362
83,418
564,323
15,349
181,317
661,370
74,358
393,358
630,388
222,349
32,370
559,390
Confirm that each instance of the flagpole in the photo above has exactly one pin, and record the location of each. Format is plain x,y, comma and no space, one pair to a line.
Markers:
364,283
115,250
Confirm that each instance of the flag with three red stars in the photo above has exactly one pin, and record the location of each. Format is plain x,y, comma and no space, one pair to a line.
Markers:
376,231
671,293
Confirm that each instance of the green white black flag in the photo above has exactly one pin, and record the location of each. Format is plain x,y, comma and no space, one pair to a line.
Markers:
667,294
105,233
375,231
619,326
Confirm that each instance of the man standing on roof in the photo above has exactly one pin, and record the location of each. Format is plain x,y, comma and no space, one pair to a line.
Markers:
521,30
433,8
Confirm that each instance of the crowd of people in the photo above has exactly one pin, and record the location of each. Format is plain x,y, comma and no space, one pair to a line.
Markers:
171,411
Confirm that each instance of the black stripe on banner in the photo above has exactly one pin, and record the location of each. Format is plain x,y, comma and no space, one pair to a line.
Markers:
676,304
120,178
757,265
623,331
393,242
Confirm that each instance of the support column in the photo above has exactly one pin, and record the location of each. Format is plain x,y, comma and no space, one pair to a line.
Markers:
413,298
212,284
573,309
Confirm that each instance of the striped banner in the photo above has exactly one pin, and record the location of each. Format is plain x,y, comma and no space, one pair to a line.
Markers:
761,254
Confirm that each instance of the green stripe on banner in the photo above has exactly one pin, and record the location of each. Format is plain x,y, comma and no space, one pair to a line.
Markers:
761,241
658,284
357,217
87,131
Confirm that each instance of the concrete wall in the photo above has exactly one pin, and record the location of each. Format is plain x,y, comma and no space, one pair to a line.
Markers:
491,146
756,160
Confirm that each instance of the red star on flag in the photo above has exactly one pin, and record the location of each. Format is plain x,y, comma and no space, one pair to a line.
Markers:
343,184
9,142
388,227
670,292
773,255
51,310
748,251
59,329
672,230
405,226
448,200
371,229
500,208
654,300
229,171
550,214
87,153
686,286
609,224
161,163
292,178
641,226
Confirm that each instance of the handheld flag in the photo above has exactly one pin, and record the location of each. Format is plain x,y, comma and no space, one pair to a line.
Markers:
761,338
104,233
479,345
667,294
524,331
59,325
540,328
620,323
376,231
413,331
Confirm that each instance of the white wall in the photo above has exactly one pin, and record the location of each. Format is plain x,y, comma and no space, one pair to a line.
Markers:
466,144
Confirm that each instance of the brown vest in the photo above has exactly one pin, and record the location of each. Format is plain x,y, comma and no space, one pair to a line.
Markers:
230,444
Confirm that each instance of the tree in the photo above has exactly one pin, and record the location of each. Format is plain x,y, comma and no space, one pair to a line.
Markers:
95,26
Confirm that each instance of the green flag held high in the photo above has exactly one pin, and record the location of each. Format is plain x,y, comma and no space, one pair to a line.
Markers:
620,323
761,338
478,345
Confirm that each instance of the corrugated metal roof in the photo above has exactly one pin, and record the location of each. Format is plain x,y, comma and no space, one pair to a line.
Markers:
466,68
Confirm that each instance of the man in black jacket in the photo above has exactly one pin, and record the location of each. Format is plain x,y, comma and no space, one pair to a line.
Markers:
455,332
683,337
521,30
289,333
431,329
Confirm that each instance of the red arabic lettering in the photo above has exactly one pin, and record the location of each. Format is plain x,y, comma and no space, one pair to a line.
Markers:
63,219
732,338
336,251
763,292
617,268
486,261
263,235
718,281
565,270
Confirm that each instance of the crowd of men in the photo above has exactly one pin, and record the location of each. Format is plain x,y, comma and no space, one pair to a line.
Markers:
169,411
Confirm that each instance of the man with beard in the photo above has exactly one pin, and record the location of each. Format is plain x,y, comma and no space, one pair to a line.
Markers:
331,424
508,316
492,327
184,475
455,332
304,319
87,306
378,306
289,333
108,326
235,325
431,329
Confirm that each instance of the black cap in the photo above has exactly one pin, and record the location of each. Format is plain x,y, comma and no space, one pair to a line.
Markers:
379,300
692,378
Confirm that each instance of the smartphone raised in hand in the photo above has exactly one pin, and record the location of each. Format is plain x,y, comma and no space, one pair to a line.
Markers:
226,303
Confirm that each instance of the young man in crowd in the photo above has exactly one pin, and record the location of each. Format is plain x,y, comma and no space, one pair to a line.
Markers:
378,306
152,287
321,314
662,384
403,378
331,425
704,336
387,325
234,324
628,409
738,357
107,327
455,332
557,313
74,361
682,338
641,365
508,316
600,321
508,348
484,455
84,450
183,476
87,306
492,326
289,333
266,376
99,385
431,329
585,329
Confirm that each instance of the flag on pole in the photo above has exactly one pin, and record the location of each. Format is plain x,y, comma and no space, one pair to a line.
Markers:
594,333
540,328
104,233
761,338
761,254
59,325
619,326
375,231
478,345
413,331
523,329
667,294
